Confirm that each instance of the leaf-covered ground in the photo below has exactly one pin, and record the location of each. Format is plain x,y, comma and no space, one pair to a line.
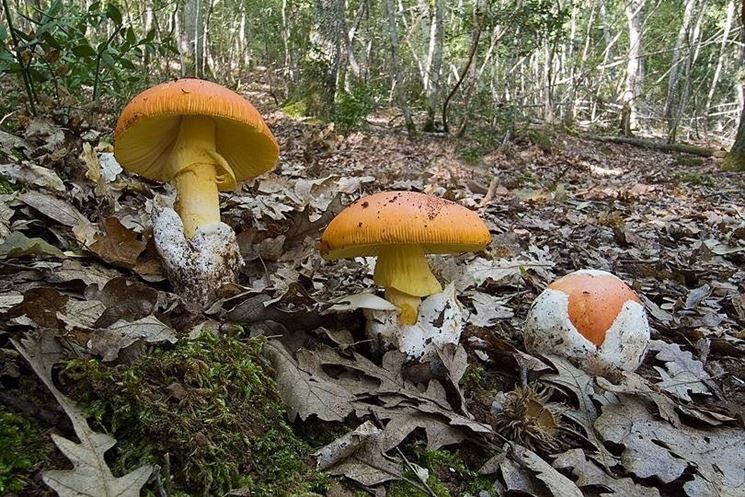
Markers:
80,276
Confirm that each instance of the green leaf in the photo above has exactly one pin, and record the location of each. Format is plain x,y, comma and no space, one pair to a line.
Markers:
107,59
127,64
113,13
19,245
55,8
131,37
84,51
50,40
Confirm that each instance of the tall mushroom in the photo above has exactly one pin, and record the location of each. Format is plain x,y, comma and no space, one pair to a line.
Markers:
400,228
202,138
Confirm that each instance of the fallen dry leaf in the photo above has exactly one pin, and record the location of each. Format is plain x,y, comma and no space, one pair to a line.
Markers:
656,449
590,475
118,244
107,342
90,476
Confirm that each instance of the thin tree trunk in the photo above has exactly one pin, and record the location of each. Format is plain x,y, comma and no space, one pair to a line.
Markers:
349,39
475,37
189,35
397,79
690,60
634,68
548,87
735,159
607,37
677,61
720,63
147,24
433,83
286,42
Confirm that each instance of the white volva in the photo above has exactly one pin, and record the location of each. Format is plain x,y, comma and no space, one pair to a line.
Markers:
200,265
548,329
440,322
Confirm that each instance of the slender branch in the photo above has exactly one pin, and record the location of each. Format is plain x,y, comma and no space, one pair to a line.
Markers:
98,60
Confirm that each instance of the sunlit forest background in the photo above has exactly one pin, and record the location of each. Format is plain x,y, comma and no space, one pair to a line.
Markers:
667,67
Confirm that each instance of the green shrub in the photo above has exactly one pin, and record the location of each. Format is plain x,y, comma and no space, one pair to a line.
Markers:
352,109
57,56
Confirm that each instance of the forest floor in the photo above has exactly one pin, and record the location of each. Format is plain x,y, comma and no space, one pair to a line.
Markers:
84,301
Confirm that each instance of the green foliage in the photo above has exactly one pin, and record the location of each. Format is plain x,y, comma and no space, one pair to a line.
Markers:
352,108
5,186
22,448
696,179
210,404
60,53
472,377
449,476
532,22
296,109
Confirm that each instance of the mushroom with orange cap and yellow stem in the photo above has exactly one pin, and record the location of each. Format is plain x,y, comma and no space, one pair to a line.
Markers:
589,315
400,228
203,139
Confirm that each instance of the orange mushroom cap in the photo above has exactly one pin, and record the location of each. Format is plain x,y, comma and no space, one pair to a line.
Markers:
595,300
148,126
397,218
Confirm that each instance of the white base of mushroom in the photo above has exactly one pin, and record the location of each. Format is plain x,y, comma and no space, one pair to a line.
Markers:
548,330
200,266
440,322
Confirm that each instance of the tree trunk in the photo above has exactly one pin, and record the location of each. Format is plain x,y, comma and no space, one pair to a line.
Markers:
326,39
475,37
432,82
720,63
190,37
634,68
607,37
286,42
694,40
677,61
397,79
735,159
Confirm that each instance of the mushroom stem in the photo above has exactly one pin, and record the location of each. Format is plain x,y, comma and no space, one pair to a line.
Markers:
408,305
404,272
405,268
194,163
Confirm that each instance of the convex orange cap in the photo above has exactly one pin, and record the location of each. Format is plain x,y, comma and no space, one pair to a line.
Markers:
595,300
149,124
393,218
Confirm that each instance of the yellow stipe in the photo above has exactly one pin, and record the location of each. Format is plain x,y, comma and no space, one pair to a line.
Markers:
405,268
193,164
198,201
408,305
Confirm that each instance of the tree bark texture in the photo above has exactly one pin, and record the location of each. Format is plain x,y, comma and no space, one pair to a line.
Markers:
326,39
397,79
735,159
634,67
432,81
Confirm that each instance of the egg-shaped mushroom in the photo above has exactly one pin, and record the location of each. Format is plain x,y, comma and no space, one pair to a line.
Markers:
589,314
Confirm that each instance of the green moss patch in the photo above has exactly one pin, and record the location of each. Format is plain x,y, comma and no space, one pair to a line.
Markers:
449,476
23,448
211,405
